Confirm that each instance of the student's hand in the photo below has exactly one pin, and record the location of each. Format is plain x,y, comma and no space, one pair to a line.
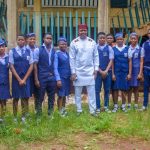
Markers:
139,76
73,77
59,83
104,74
37,83
128,77
95,74
113,77
22,82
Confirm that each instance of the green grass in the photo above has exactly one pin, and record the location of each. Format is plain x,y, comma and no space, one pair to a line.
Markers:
131,124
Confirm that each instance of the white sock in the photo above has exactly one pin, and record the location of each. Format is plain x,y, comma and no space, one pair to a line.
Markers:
116,105
123,105
129,105
135,105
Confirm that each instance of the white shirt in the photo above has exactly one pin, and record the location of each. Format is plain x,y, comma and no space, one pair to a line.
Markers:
120,48
84,60
19,51
131,50
2,59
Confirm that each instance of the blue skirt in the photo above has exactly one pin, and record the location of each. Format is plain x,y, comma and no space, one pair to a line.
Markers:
134,82
65,89
4,92
20,91
121,82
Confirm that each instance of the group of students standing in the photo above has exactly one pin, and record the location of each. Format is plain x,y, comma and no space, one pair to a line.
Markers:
39,70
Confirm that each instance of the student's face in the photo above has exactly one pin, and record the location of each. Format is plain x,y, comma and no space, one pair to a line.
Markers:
134,40
62,45
31,41
109,39
83,33
48,39
148,34
101,39
2,49
21,41
119,41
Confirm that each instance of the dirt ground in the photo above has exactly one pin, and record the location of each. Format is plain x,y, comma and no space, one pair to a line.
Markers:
83,141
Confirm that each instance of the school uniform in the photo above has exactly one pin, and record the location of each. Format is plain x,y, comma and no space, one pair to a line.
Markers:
45,64
4,78
62,72
136,54
32,84
121,68
21,58
105,55
34,89
146,47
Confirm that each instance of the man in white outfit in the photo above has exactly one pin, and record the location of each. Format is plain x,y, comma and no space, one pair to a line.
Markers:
84,63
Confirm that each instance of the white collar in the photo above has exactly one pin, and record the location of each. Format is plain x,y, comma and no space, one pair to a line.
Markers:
6,55
136,47
28,47
121,48
46,48
18,48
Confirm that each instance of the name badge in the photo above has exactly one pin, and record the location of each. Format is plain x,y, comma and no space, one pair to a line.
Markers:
105,54
136,55
28,57
125,54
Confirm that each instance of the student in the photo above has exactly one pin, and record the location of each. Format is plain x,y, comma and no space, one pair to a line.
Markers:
31,44
44,73
62,73
4,79
21,66
110,39
106,56
146,47
121,71
137,54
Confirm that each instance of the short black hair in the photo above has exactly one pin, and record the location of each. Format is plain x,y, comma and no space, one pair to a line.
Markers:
101,33
22,35
109,34
48,33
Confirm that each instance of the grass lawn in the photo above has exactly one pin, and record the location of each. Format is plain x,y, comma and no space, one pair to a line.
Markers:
129,130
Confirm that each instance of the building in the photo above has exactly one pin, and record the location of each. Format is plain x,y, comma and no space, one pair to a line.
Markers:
61,17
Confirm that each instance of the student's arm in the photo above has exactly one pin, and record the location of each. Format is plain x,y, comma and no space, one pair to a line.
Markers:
140,75
35,68
72,56
28,73
96,61
30,68
109,65
111,57
59,84
130,69
36,80
15,73
113,73
11,65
